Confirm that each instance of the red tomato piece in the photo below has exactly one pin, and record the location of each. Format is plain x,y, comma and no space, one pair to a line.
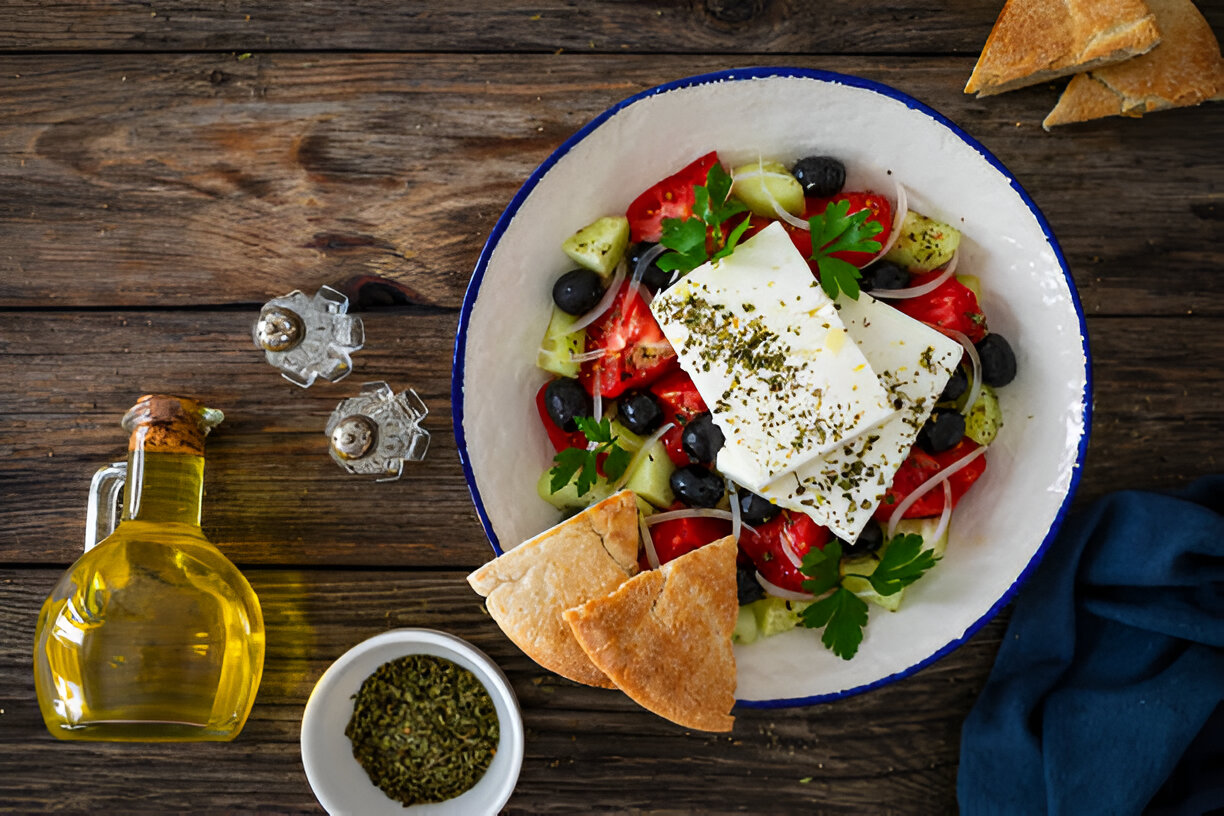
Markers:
559,438
635,351
919,467
673,539
794,531
670,198
951,306
881,213
679,401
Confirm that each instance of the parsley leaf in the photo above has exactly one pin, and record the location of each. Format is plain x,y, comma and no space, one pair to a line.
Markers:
835,230
687,237
842,613
904,562
822,567
843,616
585,461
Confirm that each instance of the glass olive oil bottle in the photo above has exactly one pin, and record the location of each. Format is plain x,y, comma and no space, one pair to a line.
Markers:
152,635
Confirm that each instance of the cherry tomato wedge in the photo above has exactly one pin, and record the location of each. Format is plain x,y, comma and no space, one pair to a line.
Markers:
794,531
560,439
670,198
679,401
951,305
635,351
674,538
919,467
881,213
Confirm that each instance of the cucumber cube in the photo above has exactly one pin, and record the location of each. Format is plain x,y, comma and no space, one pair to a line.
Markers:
600,245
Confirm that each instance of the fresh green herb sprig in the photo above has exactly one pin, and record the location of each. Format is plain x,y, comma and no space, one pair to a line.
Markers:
583,461
843,614
836,231
686,237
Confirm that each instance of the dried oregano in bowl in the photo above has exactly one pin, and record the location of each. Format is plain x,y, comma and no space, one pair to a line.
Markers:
423,728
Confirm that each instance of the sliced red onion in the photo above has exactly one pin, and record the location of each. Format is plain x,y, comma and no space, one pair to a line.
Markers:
639,270
926,487
945,515
642,451
778,592
899,213
651,555
920,290
587,356
605,302
788,550
695,512
975,383
736,521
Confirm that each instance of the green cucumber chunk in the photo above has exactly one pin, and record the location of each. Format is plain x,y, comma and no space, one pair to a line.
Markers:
971,282
985,418
650,478
560,344
924,243
756,182
567,498
600,245
745,627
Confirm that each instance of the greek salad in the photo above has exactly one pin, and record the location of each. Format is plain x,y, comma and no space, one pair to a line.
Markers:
758,351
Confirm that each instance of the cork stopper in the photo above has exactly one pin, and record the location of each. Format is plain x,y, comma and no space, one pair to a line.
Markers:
165,424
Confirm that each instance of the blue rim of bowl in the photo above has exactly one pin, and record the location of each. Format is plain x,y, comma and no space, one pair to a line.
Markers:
469,300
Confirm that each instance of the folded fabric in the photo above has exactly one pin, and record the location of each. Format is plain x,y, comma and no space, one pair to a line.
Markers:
1112,663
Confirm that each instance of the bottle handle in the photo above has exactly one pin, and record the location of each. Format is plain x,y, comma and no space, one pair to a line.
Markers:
105,494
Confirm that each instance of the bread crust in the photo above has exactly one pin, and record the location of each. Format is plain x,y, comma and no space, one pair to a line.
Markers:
664,637
1037,40
1184,70
529,588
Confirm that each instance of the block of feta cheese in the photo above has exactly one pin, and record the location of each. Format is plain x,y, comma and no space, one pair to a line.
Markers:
769,354
841,488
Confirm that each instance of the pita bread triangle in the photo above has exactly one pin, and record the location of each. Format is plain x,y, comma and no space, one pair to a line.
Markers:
1037,40
528,588
664,637
1184,70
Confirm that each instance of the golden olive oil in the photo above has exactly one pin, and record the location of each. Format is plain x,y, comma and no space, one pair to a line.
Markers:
153,635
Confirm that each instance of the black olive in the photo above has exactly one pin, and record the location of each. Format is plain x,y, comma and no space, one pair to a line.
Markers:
998,360
747,587
697,486
653,278
565,399
639,412
701,438
942,431
884,275
956,386
870,540
821,176
578,291
755,509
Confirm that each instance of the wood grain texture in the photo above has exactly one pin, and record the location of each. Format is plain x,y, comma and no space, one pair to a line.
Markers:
891,751
181,180
275,497
675,26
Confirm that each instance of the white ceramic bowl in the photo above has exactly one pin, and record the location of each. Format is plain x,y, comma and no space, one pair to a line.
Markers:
342,785
1002,526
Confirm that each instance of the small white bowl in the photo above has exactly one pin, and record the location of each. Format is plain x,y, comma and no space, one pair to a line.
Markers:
1003,525
342,785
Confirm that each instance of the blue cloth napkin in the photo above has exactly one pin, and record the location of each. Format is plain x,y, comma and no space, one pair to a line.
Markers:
1111,665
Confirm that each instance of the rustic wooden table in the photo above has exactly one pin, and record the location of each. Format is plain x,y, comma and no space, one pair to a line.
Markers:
164,170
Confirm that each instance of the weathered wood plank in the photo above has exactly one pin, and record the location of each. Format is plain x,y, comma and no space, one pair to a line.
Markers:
893,750
712,26
133,180
275,497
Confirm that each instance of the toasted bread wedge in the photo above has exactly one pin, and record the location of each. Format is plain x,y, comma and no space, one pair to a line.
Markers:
1185,69
528,588
664,637
1037,40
